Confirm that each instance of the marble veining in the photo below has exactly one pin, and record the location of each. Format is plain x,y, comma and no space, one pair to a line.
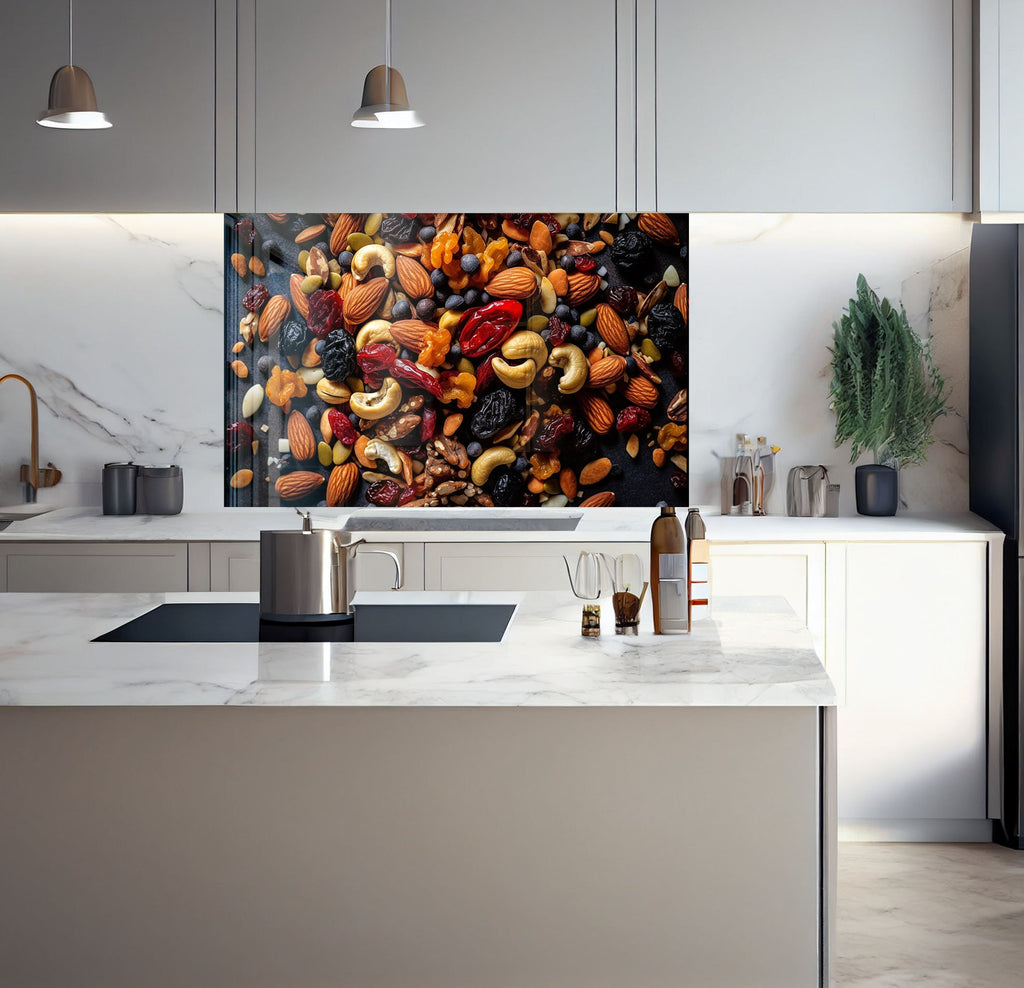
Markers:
745,656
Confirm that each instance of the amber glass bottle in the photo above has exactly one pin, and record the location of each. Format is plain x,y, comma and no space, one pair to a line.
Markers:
668,573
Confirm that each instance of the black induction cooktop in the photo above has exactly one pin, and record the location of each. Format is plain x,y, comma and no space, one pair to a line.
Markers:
239,622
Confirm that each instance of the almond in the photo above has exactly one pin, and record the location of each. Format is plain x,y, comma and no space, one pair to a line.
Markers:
595,471
559,281
273,316
409,333
596,411
300,437
342,483
612,329
540,236
413,277
603,499
658,456
278,217
517,283
659,227
348,282
682,302
310,233
299,297
310,358
641,392
238,263
605,371
345,225
325,426
364,300
567,481
514,232
581,287
291,486
257,267
241,371
240,479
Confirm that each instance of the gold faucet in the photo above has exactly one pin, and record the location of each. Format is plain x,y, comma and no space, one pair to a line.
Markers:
30,477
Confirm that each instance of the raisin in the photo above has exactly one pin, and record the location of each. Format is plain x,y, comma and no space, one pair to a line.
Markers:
558,331
680,481
339,355
633,419
326,312
678,363
666,328
526,220
408,494
428,423
495,411
384,493
256,297
585,264
246,233
292,338
265,364
583,440
633,254
623,299
553,432
507,488
399,229
238,436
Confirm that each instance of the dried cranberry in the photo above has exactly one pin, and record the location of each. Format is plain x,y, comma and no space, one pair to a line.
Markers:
553,432
408,494
678,363
585,264
246,233
344,431
384,493
633,419
558,331
375,361
679,480
623,299
526,220
238,437
256,297
428,423
485,375
326,312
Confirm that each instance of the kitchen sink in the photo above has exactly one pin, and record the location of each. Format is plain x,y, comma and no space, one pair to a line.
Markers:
240,622
18,512
471,520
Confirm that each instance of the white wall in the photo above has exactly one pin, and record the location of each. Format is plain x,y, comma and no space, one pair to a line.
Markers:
118,322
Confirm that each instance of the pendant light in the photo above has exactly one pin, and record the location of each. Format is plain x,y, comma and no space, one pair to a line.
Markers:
72,104
385,103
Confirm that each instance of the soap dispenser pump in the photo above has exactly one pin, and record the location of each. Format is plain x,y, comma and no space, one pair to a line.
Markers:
668,573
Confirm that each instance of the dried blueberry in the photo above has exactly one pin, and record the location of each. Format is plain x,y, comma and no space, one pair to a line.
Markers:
425,309
427,233
666,328
495,411
574,231
474,449
578,334
562,311
401,309
631,365
633,254
507,488
454,302
345,258
318,348
454,352
265,365
472,297
440,297
313,415
470,263
292,338
514,259
592,340
438,278
568,262
339,356
522,464
485,298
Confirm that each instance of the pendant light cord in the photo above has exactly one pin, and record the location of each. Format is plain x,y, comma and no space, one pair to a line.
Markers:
387,53
71,32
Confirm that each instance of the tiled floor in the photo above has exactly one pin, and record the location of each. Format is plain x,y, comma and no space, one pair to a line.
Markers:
941,915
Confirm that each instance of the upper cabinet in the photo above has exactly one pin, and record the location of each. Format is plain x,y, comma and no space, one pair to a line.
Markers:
518,98
153,69
805,106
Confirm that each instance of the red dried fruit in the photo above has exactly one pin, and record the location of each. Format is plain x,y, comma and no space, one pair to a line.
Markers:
558,331
428,423
406,370
326,312
623,299
487,327
553,432
384,493
678,364
375,361
485,375
679,480
585,264
408,494
633,419
344,431
256,297
238,436
526,220
246,233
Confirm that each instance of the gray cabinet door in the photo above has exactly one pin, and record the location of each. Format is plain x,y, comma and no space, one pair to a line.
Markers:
153,69
519,101
95,567
1000,63
804,106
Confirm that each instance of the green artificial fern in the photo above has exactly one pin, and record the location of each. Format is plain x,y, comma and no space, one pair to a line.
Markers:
886,390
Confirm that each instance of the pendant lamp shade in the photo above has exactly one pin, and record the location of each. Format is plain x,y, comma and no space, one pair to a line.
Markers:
385,106
72,103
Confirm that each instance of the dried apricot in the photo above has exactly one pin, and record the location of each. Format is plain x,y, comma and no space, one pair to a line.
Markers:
284,385
436,343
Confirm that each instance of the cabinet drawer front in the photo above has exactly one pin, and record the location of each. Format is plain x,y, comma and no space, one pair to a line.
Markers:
97,569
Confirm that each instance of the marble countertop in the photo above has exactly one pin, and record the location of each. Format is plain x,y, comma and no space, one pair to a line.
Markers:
590,525
752,652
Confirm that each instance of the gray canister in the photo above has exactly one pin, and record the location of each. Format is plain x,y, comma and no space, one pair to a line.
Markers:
160,490
119,488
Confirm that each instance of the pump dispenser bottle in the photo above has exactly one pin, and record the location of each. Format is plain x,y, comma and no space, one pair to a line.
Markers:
668,573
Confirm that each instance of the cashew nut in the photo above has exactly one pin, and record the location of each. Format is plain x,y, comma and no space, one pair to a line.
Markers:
377,449
367,258
375,331
574,361
489,459
518,376
526,345
449,320
333,392
377,404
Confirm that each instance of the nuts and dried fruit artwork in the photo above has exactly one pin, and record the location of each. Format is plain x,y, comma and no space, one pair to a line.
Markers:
454,359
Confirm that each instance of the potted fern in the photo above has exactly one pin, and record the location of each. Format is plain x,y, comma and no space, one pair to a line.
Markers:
886,393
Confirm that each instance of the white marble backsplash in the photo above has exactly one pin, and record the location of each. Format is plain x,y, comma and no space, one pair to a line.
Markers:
118,321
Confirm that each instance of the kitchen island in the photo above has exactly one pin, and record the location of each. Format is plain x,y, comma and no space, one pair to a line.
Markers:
544,810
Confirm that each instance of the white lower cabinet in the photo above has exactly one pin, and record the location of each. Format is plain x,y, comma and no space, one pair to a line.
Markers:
912,733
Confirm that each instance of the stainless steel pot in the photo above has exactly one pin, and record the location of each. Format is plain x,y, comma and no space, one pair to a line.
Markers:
306,573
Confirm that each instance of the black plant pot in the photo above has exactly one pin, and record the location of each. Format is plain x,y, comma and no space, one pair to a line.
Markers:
878,489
